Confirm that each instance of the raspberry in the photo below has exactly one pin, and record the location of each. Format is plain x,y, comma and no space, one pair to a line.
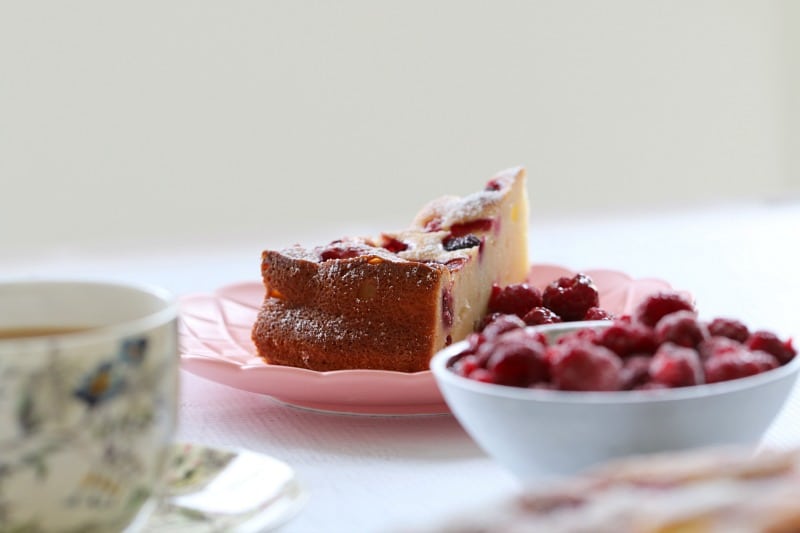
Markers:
635,371
770,343
676,366
582,366
541,315
466,365
571,298
464,228
651,385
515,299
393,245
523,335
433,224
717,345
654,307
493,185
474,341
482,375
728,327
681,328
516,363
488,319
627,338
501,324
579,335
336,251
597,313
738,364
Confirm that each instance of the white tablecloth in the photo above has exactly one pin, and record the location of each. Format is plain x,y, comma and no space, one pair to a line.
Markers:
382,473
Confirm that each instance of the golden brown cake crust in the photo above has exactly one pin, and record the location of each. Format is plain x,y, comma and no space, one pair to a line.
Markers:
309,318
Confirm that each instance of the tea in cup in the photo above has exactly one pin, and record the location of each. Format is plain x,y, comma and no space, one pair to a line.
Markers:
88,401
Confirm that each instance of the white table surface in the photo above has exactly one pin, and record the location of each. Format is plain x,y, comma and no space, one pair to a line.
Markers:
384,473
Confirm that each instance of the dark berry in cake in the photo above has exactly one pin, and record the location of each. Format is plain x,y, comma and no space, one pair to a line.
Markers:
393,245
515,299
571,298
655,307
541,315
728,327
340,252
453,243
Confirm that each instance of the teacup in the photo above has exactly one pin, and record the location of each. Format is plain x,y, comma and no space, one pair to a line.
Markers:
88,401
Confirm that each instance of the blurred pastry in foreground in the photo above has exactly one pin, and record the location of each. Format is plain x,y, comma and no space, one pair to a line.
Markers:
704,491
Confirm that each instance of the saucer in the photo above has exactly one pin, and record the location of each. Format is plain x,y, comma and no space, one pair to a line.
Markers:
213,489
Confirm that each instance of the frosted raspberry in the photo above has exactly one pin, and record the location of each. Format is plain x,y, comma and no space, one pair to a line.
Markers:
541,315
571,298
635,371
515,363
582,366
580,335
466,365
482,375
651,385
717,345
728,327
676,366
515,299
738,364
488,319
627,338
501,324
654,307
769,342
597,313
681,328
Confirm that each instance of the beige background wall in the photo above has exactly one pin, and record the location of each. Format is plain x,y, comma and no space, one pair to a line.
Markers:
172,122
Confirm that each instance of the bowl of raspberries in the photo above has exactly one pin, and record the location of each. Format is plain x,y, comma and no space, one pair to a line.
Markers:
551,383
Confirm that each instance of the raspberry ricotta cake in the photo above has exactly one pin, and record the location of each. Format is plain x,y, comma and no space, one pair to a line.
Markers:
391,302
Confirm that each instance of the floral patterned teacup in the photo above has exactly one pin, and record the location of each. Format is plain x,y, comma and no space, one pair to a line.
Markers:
88,393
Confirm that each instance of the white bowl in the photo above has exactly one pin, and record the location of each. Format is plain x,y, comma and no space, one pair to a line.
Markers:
540,433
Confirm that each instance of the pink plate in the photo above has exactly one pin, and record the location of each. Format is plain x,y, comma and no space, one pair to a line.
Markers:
215,344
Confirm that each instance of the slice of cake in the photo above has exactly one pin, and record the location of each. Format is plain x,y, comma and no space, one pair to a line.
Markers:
391,302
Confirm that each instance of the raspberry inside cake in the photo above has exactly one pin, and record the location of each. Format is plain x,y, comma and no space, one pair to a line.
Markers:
391,302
